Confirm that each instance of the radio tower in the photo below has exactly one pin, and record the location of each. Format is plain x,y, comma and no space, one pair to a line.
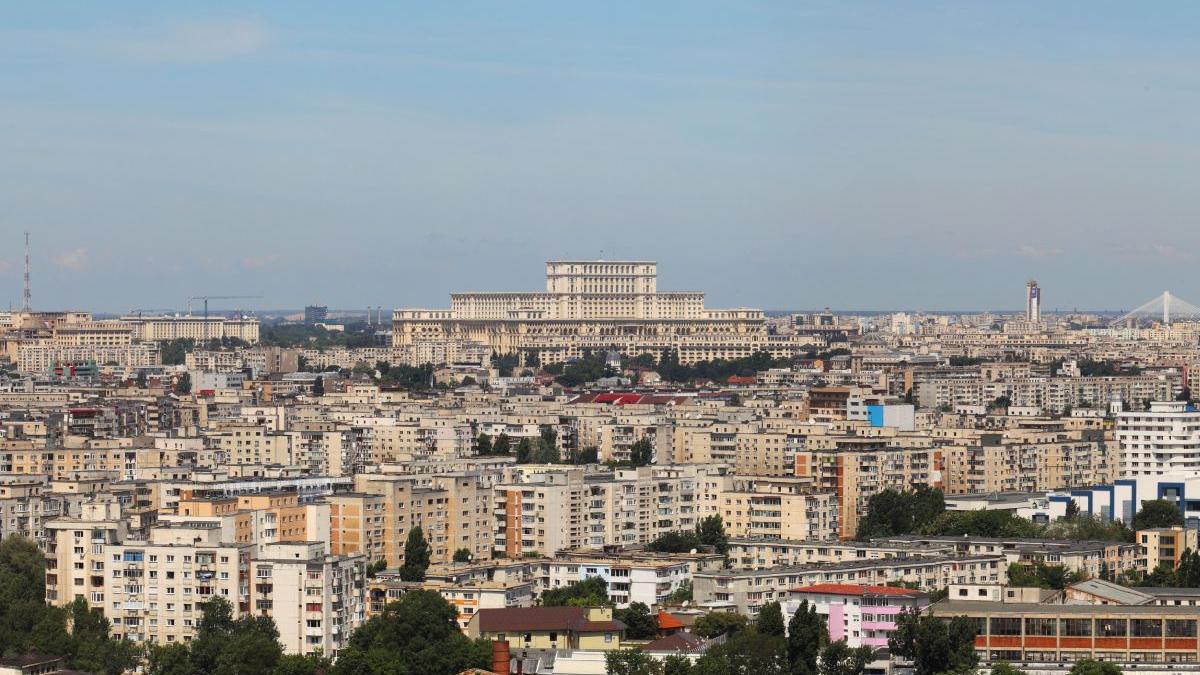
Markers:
28,295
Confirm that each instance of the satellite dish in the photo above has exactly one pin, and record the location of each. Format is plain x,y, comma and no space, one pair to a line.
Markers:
693,551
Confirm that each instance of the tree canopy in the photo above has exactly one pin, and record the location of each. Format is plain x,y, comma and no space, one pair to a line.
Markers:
807,634
1157,513
416,556
934,644
591,592
417,635
709,532
891,512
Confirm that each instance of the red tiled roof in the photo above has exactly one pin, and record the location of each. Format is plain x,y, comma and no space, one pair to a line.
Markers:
737,379
668,622
854,589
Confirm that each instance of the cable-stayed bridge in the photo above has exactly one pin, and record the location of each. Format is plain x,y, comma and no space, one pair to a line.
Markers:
1165,308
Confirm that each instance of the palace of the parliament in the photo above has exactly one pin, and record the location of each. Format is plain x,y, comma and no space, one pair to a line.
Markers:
590,305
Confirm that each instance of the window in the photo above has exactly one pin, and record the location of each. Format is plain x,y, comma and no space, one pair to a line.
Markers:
1181,628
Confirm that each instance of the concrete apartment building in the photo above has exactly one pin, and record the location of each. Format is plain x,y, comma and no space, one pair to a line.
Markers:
176,327
453,511
592,305
779,508
854,468
1164,546
1028,462
746,591
862,615
316,599
566,509
1164,440
150,590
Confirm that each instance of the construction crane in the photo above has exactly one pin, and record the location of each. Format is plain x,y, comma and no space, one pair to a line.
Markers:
206,298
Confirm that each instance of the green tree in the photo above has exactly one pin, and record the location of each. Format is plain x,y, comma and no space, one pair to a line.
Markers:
1188,574
806,635
711,532
525,451
483,445
91,648
1091,667
640,624
303,664
1157,513
252,648
770,620
212,634
631,662
417,635
376,567
22,594
891,512
674,542
462,555
837,658
502,445
719,623
416,556
318,387
681,594
934,645
641,453
746,652
1041,575
170,659
591,592
140,380
183,385
1072,511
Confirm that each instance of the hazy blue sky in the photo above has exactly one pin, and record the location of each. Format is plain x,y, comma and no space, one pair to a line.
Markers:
790,154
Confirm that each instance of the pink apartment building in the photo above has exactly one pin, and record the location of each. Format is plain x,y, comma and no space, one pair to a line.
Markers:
860,615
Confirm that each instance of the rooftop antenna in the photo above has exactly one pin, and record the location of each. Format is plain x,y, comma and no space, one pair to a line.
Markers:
28,294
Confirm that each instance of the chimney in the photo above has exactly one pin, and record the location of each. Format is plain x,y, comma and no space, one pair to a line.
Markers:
500,657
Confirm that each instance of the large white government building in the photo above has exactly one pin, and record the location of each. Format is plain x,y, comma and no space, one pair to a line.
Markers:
591,305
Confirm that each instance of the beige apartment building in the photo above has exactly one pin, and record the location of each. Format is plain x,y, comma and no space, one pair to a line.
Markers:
1028,463
316,599
356,524
597,306
779,508
1164,546
855,468
174,327
453,512
150,590
563,509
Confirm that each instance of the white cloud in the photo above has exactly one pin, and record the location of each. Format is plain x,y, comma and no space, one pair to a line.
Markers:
196,41
75,259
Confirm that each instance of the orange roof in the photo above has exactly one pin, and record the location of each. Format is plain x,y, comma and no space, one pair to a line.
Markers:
854,589
668,622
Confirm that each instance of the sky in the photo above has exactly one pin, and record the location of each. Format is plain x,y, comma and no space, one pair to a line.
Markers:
782,155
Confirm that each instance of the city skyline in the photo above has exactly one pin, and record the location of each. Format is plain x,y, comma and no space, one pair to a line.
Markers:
805,155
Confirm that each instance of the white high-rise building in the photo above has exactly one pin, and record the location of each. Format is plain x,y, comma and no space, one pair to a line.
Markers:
1033,301
1164,440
